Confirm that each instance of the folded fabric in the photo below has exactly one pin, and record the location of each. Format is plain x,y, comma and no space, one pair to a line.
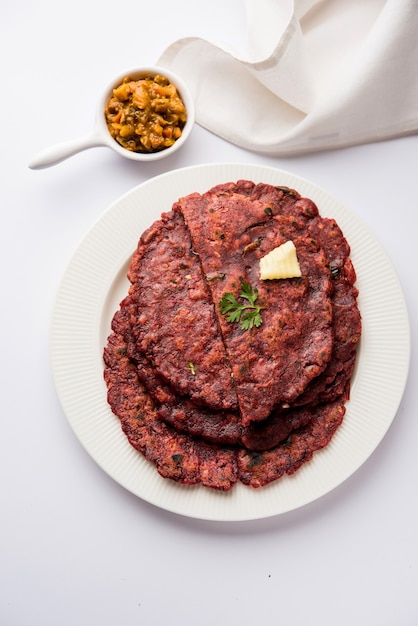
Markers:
313,75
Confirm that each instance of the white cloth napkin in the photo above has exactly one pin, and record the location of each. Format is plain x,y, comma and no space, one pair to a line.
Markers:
312,75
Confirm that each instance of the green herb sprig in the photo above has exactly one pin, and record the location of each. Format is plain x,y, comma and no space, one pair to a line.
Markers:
247,314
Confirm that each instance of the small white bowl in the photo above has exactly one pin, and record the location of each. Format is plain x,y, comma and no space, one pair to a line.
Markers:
100,135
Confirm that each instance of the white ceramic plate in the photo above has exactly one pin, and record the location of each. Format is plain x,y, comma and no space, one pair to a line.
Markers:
94,284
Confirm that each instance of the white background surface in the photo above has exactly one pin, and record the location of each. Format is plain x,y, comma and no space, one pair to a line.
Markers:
75,547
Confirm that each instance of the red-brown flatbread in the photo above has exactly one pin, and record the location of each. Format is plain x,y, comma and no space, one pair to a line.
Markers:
174,315
181,458
272,364
202,399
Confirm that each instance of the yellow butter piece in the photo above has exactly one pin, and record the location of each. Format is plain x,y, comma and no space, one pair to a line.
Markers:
282,262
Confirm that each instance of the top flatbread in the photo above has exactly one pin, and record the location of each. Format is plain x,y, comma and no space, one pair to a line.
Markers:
272,364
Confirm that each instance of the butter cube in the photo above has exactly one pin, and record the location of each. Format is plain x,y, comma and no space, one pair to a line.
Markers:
282,262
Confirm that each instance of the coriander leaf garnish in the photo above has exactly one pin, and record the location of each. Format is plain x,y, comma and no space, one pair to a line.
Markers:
248,314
